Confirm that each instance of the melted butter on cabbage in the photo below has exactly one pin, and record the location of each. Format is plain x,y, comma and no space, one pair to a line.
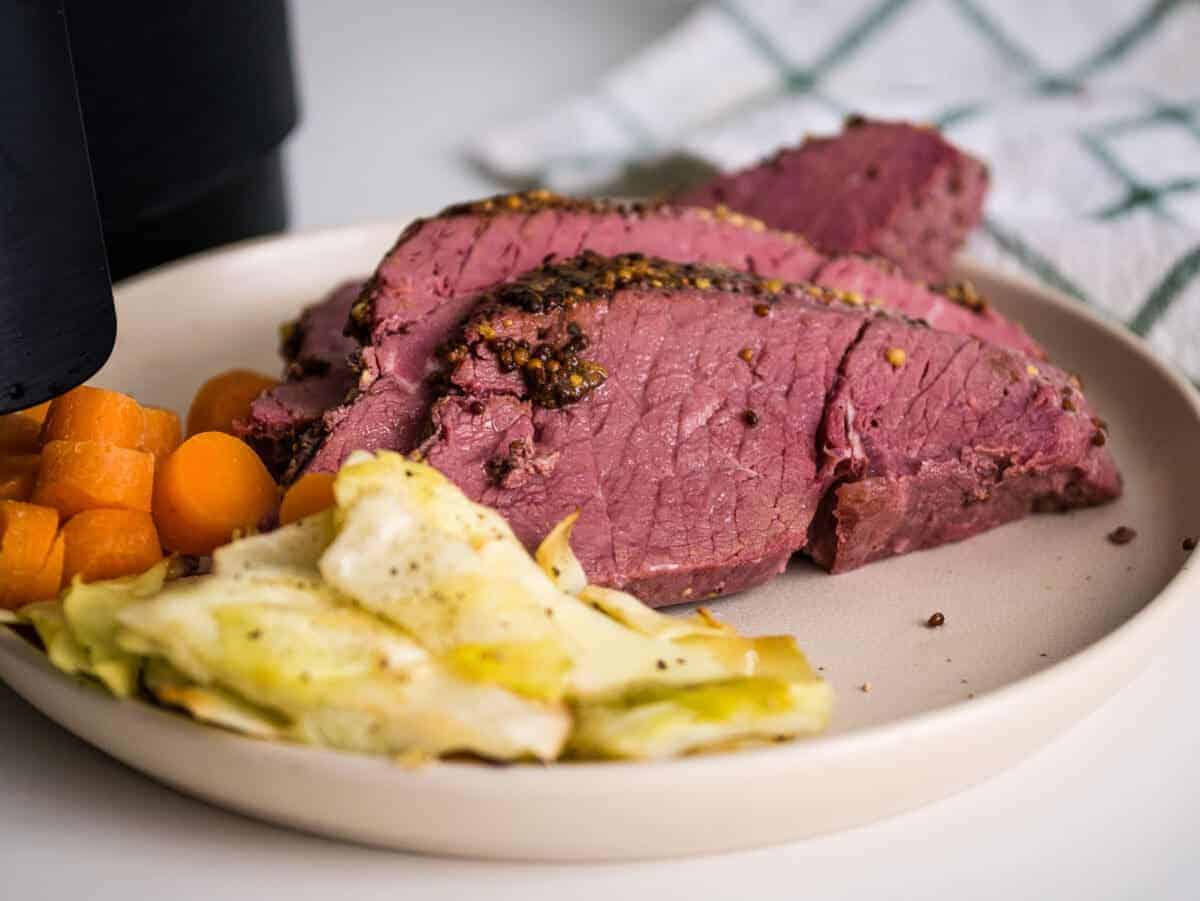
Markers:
409,620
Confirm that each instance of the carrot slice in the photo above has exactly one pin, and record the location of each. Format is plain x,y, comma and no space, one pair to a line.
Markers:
311,493
37,414
94,414
212,486
84,475
19,434
162,432
109,544
31,554
224,399
17,473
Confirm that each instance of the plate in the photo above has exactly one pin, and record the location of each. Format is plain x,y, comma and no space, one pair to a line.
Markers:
1045,620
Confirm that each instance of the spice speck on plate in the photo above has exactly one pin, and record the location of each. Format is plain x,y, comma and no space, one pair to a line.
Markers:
1122,535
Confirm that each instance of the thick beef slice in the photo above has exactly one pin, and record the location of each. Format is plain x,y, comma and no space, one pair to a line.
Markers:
679,495
318,375
427,283
317,340
879,281
959,437
889,188
714,426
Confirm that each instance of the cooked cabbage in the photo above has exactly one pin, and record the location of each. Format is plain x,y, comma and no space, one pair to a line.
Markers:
409,620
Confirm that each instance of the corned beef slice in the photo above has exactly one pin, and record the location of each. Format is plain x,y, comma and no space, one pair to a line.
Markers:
961,437
968,313
318,375
427,283
889,188
708,424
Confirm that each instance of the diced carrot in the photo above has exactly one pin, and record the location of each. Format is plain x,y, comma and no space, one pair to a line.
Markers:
311,493
212,486
48,581
109,544
38,413
84,475
20,433
224,399
17,472
31,554
162,432
94,414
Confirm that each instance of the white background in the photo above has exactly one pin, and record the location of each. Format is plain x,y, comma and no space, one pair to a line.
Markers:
1110,810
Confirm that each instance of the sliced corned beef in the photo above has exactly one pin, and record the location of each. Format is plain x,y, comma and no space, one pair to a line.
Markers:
878,281
889,188
708,424
932,437
427,284
318,375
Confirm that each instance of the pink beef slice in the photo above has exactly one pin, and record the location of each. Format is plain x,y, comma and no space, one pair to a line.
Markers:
889,188
318,375
876,280
959,438
708,424
427,284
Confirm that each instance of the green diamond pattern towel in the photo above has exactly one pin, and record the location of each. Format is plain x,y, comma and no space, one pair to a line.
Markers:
1088,112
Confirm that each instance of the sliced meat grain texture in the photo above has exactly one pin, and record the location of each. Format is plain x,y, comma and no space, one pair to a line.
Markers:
428,283
709,424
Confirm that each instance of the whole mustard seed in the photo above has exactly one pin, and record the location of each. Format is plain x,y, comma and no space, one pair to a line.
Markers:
750,418
896,356
865,688
747,354
937,619
762,309
852,298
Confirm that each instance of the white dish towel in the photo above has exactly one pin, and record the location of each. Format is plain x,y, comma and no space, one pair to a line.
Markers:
1088,112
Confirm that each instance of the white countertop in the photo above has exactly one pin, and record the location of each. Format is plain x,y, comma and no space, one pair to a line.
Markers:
1109,810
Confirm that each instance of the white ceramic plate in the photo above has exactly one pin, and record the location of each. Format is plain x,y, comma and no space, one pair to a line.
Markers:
1044,620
